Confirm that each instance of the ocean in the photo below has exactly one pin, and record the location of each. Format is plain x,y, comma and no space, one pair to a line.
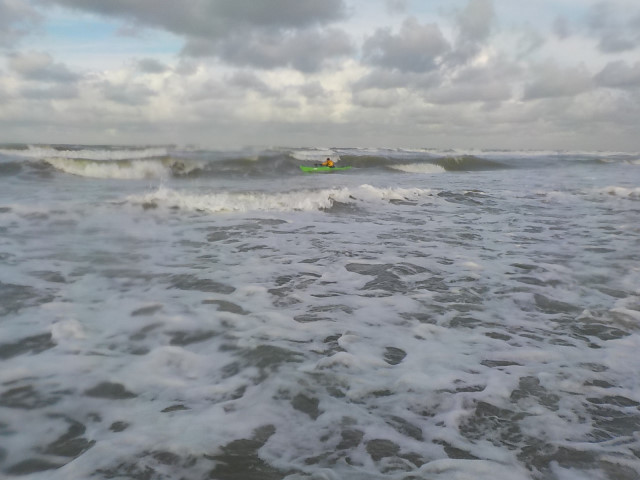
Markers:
177,313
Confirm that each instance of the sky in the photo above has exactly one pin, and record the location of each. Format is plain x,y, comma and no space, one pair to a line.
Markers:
509,74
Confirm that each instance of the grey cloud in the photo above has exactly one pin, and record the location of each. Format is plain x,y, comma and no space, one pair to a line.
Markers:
617,30
306,51
131,94
210,90
530,40
490,83
17,17
312,90
150,65
397,6
391,79
40,66
250,81
550,81
474,24
619,74
561,27
243,32
466,93
476,20
279,13
373,98
416,48
54,92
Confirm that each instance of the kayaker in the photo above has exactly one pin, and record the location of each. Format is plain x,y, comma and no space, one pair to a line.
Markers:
328,163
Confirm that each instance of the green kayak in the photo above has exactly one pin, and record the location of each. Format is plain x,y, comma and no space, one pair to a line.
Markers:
307,169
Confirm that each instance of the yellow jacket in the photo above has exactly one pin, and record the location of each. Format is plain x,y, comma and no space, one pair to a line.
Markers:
328,163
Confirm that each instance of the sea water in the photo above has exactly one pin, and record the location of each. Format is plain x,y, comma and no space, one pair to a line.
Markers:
174,313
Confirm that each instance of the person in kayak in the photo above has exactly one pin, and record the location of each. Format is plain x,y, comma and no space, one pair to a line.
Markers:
328,163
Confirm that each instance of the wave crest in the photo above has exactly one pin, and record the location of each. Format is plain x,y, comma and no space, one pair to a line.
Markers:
124,169
467,162
98,153
303,200
419,168
622,192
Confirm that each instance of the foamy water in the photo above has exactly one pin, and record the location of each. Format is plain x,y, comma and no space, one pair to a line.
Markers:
473,317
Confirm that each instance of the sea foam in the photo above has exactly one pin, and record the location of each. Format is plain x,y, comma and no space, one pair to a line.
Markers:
303,200
120,170
40,152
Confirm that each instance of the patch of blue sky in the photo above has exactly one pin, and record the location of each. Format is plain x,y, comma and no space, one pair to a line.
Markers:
92,41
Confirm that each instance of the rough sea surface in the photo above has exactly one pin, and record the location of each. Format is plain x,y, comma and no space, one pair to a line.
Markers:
173,313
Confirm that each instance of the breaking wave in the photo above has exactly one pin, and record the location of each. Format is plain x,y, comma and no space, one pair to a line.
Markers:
123,169
622,192
468,162
423,164
97,153
419,168
303,200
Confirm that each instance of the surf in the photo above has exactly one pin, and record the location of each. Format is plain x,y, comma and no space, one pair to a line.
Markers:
291,201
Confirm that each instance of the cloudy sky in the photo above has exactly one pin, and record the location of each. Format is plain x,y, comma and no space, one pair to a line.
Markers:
559,74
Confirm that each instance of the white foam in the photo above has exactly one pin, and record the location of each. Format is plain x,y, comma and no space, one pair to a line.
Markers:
316,306
315,155
120,170
41,152
622,192
303,200
419,168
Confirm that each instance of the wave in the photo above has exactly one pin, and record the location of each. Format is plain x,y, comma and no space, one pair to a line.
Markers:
622,192
163,162
124,169
314,154
83,152
260,166
303,200
10,168
422,163
121,170
468,162
419,168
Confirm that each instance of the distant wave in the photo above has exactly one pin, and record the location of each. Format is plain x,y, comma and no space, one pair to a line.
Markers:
303,200
419,168
95,153
262,165
422,164
161,162
468,162
123,169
